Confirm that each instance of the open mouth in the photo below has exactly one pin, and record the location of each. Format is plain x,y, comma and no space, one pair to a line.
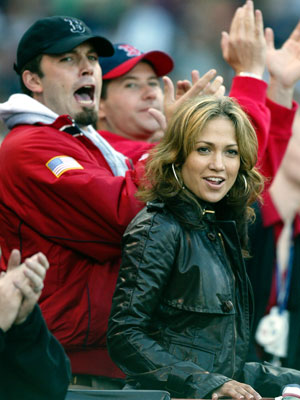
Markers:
215,180
85,95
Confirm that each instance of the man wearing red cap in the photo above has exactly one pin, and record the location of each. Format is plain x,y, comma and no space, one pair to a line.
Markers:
130,87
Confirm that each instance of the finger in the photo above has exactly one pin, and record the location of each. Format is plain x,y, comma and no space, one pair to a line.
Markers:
221,91
159,117
215,85
35,267
235,22
25,289
269,36
186,85
199,86
14,260
182,87
295,35
36,282
259,24
168,90
214,396
248,20
244,391
251,392
43,260
195,76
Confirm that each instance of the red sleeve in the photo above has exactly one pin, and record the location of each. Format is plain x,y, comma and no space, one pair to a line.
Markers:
134,149
80,209
282,119
251,95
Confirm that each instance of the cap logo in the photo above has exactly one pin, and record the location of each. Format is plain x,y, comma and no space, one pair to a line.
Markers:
129,50
76,25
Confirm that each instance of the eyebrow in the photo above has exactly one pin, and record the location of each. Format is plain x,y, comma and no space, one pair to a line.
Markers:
124,78
211,143
73,51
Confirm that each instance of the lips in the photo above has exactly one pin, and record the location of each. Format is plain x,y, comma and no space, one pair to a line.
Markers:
215,180
85,95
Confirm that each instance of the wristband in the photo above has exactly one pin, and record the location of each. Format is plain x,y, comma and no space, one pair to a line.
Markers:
250,75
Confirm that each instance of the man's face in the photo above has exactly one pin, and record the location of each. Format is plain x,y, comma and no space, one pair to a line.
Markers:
72,84
129,97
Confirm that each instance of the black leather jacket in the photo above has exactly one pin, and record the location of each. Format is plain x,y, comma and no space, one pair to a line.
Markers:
180,319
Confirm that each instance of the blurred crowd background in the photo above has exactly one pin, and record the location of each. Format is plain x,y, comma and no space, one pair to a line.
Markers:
189,30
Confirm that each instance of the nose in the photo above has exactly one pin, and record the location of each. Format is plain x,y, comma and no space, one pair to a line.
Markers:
86,68
217,162
148,92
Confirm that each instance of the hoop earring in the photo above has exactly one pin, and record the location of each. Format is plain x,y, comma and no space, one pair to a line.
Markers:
176,177
245,183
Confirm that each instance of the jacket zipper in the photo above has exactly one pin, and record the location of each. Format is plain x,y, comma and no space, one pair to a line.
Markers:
234,321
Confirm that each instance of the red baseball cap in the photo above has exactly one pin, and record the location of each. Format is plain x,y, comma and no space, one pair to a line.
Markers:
126,57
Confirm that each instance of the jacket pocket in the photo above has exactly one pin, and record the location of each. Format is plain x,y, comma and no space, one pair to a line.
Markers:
189,352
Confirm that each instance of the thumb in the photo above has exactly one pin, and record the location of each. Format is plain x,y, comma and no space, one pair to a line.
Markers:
159,117
14,260
224,44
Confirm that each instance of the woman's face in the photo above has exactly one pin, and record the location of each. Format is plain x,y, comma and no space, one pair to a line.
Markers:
210,170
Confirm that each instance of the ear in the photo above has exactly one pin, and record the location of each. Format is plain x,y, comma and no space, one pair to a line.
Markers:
32,81
102,110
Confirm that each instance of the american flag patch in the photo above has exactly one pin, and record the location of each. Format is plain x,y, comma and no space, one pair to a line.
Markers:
60,164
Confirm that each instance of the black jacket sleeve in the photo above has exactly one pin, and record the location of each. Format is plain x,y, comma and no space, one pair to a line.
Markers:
33,363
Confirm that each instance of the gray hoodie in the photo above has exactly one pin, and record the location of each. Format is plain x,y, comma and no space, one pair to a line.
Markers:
23,109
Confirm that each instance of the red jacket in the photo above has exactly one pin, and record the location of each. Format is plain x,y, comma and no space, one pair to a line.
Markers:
77,220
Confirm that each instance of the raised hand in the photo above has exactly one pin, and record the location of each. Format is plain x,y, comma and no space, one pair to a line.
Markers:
207,84
284,66
244,47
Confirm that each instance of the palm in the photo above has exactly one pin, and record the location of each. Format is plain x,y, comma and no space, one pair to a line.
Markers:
284,64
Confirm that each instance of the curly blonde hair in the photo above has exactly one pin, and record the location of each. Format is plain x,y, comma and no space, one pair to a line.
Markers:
179,141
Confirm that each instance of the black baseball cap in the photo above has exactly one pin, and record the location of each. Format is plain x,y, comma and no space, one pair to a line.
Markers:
126,57
57,35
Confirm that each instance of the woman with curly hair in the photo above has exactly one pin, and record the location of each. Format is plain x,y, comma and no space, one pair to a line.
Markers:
181,313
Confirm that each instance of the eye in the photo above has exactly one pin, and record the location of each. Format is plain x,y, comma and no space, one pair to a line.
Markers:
93,57
232,152
66,59
154,83
203,150
131,85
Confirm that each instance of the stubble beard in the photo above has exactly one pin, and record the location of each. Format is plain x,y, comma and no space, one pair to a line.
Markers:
86,117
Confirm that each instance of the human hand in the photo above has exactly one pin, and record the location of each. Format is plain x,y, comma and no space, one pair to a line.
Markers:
35,269
10,296
214,87
244,47
284,66
185,90
236,390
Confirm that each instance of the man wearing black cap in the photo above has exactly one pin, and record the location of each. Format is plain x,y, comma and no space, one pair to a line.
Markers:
65,191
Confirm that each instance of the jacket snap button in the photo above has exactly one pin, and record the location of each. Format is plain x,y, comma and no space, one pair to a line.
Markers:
227,306
211,236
